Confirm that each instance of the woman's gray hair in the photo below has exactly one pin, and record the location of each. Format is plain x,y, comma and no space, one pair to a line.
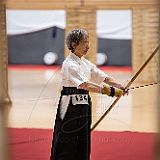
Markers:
75,36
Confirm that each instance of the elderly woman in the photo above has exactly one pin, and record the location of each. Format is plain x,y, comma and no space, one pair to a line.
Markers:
71,139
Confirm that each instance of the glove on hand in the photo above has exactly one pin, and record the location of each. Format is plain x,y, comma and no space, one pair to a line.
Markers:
113,91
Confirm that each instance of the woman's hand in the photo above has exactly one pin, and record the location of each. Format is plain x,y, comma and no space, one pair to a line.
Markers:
125,91
114,91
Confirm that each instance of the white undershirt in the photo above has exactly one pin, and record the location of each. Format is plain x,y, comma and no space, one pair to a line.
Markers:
76,71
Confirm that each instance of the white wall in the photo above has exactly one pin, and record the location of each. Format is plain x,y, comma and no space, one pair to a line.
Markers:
114,24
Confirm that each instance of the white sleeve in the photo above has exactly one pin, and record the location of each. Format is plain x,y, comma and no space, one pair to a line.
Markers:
75,76
97,75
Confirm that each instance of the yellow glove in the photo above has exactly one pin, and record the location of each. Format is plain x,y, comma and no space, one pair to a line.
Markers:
113,91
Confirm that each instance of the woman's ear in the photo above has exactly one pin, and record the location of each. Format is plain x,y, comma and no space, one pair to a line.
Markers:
74,44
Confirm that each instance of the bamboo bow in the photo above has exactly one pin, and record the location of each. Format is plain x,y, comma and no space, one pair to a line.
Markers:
130,81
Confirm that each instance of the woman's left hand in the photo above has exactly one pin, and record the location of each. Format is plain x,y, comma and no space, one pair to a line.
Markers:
125,91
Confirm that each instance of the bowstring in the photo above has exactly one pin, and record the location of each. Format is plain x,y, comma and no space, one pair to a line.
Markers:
43,88
40,93
142,86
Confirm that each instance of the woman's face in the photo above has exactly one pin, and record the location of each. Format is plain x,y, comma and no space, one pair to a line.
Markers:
82,48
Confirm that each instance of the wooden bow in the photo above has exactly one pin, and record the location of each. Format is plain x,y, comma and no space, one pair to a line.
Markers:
129,82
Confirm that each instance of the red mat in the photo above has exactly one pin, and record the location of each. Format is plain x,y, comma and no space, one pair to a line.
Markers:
35,144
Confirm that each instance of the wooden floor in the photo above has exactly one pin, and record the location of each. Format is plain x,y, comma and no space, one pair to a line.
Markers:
35,95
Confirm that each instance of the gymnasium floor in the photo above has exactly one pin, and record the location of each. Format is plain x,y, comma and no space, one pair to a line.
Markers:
35,90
